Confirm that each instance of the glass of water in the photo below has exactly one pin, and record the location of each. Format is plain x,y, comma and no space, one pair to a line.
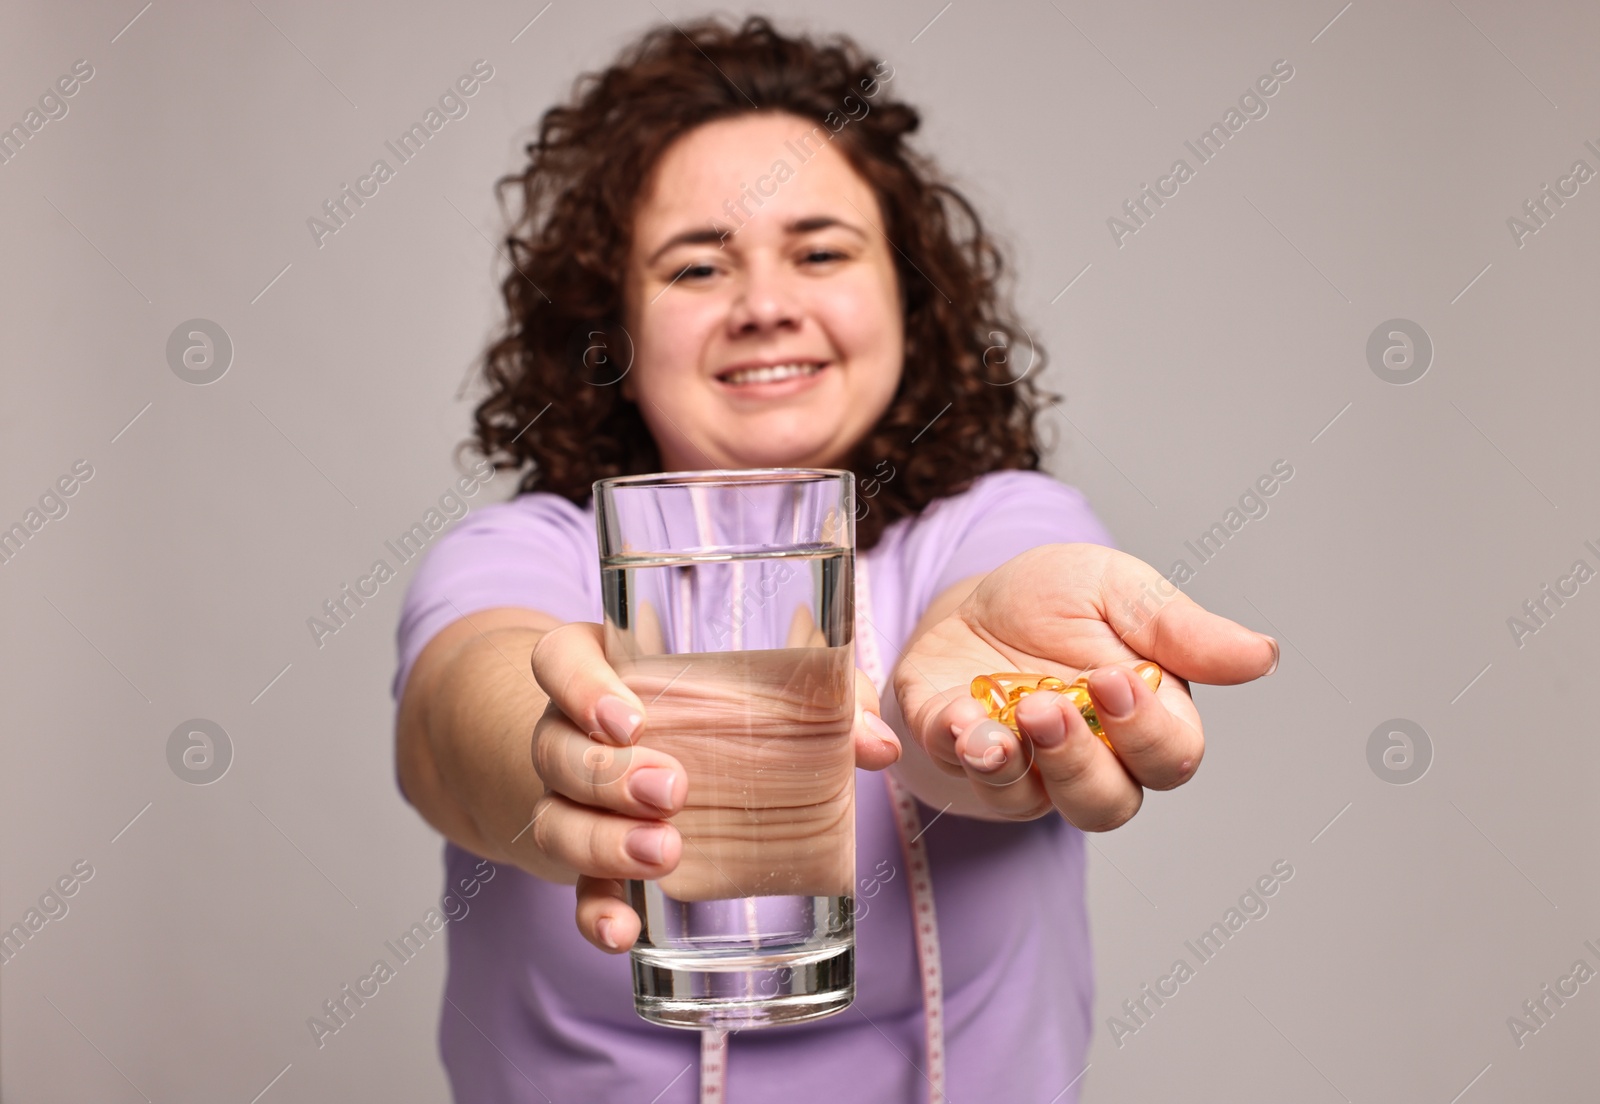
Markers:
730,612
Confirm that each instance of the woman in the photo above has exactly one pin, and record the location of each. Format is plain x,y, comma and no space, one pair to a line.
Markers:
728,257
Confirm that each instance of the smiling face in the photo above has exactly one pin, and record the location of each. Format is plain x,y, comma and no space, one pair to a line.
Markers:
761,298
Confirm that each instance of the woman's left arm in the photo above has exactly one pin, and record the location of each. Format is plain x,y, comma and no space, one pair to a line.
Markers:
1061,609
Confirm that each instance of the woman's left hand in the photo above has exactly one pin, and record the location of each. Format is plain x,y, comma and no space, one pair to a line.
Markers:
1060,609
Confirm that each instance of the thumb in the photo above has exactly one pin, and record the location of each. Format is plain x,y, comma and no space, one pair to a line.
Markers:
1160,622
569,664
877,745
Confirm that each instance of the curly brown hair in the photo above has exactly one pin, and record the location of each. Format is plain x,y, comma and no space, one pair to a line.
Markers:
958,412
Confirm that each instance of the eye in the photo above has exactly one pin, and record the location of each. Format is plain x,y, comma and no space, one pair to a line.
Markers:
694,272
824,255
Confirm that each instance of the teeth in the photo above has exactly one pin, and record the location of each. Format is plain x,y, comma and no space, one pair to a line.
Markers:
775,372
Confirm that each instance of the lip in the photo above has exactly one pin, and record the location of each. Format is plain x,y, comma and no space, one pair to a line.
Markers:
774,389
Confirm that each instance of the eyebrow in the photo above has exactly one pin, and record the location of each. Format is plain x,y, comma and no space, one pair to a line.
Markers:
708,234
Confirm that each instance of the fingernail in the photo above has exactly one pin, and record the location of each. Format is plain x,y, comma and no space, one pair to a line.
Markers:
1275,655
986,749
880,728
602,928
961,724
1050,731
647,844
1113,697
652,785
617,719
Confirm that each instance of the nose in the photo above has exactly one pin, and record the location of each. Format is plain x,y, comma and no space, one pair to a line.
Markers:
767,300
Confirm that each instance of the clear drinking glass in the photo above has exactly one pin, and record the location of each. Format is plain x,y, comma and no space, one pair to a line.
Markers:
730,612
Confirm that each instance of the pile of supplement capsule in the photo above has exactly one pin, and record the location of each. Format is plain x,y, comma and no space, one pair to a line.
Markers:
1000,692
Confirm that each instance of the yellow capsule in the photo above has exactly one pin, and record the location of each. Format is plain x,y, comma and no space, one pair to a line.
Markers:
1008,680
989,692
1078,696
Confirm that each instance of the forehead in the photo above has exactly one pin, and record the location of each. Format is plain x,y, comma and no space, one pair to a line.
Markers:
767,162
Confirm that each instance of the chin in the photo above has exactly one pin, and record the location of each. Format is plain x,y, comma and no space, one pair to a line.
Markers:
797,459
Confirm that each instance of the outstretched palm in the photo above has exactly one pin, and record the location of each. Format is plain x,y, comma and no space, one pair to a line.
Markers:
1062,609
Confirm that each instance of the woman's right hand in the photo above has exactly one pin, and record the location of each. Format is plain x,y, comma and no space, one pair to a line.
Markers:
607,801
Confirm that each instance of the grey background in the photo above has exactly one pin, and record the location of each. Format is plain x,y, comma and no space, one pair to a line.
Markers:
1228,333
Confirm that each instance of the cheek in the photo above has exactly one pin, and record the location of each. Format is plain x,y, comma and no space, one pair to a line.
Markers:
863,322
670,343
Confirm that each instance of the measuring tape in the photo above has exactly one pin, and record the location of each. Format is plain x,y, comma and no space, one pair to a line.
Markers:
919,884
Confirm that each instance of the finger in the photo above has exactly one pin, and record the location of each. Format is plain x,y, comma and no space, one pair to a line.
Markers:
604,916
1085,781
1161,622
945,726
998,764
637,780
1157,747
569,664
877,745
603,844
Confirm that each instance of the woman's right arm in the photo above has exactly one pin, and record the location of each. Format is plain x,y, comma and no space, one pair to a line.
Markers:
505,772
462,733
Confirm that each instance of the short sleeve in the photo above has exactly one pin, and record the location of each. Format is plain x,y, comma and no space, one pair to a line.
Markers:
537,551
1001,515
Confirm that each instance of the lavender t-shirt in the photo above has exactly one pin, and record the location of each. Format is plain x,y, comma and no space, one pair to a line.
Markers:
534,1013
